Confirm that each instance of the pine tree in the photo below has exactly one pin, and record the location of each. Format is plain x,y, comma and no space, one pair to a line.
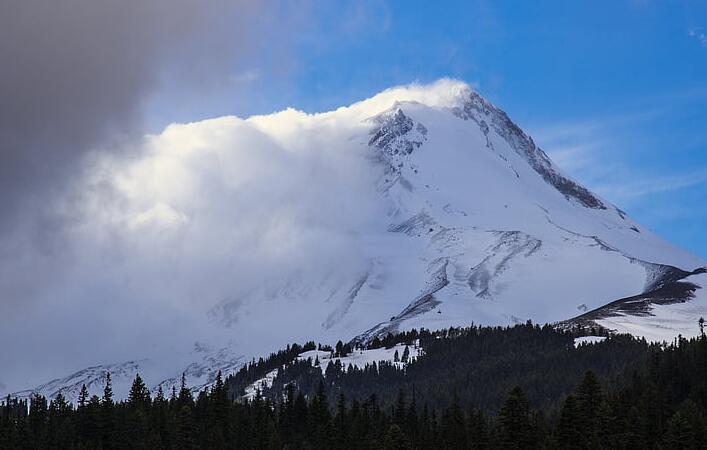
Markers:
219,412
395,439
341,426
185,397
339,349
515,429
139,396
83,396
159,420
38,414
400,409
185,429
569,428
686,427
92,428
108,433
406,354
679,433
299,420
589,403
159,397
478,430
453,426
320,418
411,420
108,391
60,426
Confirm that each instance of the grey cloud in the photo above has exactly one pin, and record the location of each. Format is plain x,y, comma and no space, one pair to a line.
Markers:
72,104
76,72
76,75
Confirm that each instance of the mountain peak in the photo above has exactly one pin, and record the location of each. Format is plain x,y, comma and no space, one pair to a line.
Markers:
469,221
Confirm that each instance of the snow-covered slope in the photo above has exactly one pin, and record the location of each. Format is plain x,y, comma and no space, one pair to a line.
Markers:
481,226
199,366
478,225
359,358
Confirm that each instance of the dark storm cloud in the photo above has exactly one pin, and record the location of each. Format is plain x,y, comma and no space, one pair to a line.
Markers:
76,72
77,78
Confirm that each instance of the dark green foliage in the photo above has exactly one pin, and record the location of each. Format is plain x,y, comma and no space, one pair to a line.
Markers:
515,430
458,362
139,396
568,432
659,403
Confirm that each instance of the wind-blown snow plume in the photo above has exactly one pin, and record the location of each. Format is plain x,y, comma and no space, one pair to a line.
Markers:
423,206
77,76
206,212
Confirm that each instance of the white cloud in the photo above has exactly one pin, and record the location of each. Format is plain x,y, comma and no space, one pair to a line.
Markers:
596,153
202,212
245,77
645,185
699,36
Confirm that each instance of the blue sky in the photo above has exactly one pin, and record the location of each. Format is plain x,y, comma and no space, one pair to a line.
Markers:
615,91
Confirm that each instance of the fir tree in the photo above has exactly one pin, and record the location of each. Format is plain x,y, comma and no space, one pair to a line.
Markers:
453,427
108,391
139,396
679,434
569,428
185,397
219,411
185,429
515,430
83,396
589,403
406,354
108,432
38,412
395,439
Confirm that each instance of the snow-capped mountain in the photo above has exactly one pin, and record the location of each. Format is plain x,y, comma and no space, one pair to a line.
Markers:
199,366
483,227
478,225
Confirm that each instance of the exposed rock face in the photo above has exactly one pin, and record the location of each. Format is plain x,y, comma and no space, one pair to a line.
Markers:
394,138
665,286
397,134
476,225
483,113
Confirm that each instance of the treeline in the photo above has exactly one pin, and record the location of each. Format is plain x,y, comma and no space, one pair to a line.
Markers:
658,403
476,365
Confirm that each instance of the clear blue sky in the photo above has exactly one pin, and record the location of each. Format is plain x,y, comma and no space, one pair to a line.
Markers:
615,91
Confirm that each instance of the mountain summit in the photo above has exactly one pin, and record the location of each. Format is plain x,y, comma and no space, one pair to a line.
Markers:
481,226
474,224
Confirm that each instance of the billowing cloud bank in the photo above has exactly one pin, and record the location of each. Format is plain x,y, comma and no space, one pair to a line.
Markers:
199,213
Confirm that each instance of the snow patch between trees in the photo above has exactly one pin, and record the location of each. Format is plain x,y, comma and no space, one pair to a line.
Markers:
585,340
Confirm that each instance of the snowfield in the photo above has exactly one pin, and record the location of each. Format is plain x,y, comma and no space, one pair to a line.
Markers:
666,322
474,224
361,358
357,358
266,382
586,340
200,367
